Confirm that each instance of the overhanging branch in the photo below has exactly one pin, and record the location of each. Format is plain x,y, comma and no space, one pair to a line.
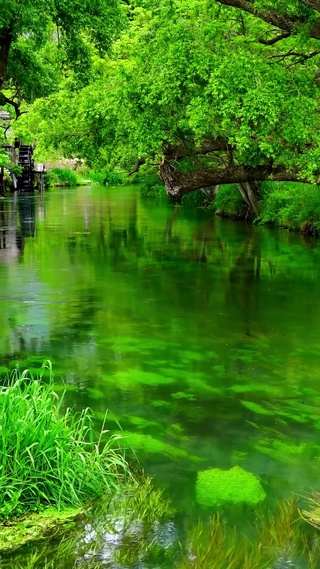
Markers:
274,40
180,183
283,21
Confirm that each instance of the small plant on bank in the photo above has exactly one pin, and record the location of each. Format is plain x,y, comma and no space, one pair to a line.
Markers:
63,176
51,457
229,202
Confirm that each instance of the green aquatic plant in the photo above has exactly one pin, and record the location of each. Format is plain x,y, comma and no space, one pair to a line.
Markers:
183,395
281,527
36,527
256,408
50,457
216,546
142,423
284,451
150,445
215,487
312,514
134,516
277,539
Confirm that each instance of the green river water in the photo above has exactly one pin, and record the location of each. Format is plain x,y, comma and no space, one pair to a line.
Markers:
200,335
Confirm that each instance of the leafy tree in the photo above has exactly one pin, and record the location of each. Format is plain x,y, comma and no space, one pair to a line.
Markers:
39,36
203,90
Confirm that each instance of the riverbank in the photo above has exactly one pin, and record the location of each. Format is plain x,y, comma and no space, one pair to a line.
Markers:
51,459
293,206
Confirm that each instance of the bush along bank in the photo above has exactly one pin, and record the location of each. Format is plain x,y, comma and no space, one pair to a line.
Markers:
65,177
51,461
294,206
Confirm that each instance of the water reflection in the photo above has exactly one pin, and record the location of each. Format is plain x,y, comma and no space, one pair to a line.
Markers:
27,214
201,335
17,221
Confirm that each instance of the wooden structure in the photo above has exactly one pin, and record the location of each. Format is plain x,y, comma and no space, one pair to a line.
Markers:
25,160
22,155
39,171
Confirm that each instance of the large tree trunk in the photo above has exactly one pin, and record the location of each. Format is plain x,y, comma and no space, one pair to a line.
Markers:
250,192
5,44
178,184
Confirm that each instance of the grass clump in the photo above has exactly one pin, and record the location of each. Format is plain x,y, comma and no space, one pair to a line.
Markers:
51,457
278,539
291,205
229,202
97,178
63,176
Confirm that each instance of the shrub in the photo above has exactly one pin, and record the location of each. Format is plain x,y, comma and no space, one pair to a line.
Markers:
114,178
49,457
195,199
98,178
291,205
64,176
229,200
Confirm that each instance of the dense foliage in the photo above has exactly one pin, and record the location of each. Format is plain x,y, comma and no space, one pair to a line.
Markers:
209,93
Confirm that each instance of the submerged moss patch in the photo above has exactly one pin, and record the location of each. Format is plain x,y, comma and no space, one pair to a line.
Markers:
215,487
149,445
36,527
256,408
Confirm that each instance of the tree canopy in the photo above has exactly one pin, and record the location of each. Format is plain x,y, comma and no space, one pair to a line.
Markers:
38,38
212,92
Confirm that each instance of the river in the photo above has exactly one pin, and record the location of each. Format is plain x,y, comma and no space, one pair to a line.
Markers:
200,335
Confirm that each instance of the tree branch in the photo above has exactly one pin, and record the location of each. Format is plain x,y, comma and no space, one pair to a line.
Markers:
285,22
180,183
314,4
275,39
208,145
13,104
137,165
291,53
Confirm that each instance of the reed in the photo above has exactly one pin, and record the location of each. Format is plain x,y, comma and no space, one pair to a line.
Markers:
278,538
64,176
51,457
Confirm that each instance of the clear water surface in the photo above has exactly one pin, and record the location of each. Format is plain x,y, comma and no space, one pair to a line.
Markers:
200,335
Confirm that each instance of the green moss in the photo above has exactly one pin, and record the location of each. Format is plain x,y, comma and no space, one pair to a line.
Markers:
183,395
142,423
36,527
256,408
137,376
149,445
235,486
284,452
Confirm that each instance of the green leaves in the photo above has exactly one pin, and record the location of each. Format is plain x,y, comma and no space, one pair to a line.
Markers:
49,457
178,73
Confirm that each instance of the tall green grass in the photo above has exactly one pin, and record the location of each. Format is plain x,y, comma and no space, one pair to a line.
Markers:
50,456
291,205
285,204
63,176
229,201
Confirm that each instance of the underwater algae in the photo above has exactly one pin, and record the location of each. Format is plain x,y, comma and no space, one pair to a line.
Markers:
215,487
36,527
150,445
278,539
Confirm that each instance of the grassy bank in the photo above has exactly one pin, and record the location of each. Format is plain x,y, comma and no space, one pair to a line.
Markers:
68,177
291,205
51,457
